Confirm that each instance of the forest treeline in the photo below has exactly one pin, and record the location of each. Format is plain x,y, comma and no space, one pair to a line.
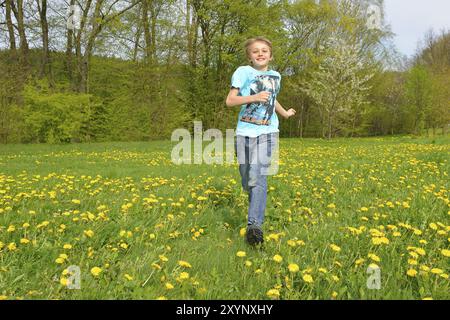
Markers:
110,70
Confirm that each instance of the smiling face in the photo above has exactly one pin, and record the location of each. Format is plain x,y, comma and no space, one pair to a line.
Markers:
260,55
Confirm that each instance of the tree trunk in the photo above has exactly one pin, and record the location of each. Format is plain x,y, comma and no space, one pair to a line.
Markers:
137,37
46,69
189,31
147,33
9,23
329,125
153,17
18,12
98,21
69,49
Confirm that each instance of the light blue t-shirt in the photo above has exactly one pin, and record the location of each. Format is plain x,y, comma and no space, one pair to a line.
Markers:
259,117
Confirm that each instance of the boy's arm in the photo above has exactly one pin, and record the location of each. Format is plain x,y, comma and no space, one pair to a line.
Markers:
234,100
285,114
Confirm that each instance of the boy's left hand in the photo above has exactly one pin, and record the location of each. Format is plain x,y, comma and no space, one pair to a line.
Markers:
291,112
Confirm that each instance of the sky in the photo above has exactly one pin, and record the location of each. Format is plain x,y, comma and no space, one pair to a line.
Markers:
411,19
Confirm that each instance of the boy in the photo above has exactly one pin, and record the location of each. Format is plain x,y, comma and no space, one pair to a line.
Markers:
255,88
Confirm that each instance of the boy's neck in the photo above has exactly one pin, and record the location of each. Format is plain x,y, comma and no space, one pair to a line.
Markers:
265,68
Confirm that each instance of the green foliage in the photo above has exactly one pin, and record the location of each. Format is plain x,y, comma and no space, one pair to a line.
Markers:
419,94
188,76
56,117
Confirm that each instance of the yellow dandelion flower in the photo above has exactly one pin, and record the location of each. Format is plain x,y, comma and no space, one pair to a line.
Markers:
424,268
183,276
437,271
64,281
128,277
293,268
88,233
374,257
445,252
242,232
156,266
241,254
59,260
420,251
163,258
277,258
291,243
248,263
373,266
169,286
411,272
335,248
308,278
184,264
412,262
96,271
433,226
273,293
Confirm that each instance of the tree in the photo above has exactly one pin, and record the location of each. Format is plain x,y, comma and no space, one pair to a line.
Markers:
339,86
46,69
10,25
419,96
19,14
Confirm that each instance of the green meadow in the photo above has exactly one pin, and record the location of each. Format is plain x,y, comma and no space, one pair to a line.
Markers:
342,215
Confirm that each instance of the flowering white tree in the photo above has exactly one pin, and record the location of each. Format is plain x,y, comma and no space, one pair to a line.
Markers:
339,85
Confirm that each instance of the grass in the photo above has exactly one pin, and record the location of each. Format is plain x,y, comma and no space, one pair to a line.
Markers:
334,208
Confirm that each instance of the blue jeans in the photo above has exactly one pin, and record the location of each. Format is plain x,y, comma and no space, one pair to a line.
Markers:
254,158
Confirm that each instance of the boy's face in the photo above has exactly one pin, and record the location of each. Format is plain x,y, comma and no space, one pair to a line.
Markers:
259,54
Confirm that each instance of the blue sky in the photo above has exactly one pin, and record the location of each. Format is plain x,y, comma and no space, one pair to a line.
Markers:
410,19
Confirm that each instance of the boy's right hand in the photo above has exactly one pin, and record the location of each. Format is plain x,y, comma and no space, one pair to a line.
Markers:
262,96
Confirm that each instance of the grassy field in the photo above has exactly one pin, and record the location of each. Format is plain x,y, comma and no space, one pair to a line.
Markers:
139,227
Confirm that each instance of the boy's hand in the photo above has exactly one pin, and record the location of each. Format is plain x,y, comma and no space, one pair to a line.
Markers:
262,96
291,112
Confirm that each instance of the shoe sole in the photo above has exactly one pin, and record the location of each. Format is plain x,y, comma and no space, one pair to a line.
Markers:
255,236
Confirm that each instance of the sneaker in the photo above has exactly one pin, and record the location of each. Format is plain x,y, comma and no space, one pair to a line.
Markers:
254,235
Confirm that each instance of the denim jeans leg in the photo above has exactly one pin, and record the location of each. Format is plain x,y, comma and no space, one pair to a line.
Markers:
258,196
242,153
252,169
258,179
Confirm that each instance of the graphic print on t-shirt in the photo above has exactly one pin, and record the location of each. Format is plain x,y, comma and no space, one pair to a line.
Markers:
259,113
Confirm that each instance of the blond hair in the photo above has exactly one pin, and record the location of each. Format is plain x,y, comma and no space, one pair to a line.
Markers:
251,41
